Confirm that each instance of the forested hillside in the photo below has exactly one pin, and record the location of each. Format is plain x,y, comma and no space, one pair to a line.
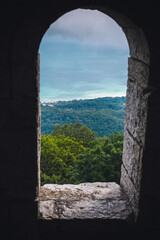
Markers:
74,154
103,115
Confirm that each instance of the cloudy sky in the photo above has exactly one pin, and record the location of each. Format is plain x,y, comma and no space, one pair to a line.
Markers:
83,55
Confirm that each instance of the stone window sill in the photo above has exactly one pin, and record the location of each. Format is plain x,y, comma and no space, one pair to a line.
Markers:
99,200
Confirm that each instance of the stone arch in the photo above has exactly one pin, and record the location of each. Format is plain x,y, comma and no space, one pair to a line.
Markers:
136,106
25,88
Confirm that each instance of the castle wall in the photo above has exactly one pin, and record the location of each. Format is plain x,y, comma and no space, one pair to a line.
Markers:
22,27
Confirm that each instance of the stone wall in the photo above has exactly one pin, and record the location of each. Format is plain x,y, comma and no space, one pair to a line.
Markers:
22,27
98,200
135,130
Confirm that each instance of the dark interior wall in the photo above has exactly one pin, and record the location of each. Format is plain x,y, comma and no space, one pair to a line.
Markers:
22,26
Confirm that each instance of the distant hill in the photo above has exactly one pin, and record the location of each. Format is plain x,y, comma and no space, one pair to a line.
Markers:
103,115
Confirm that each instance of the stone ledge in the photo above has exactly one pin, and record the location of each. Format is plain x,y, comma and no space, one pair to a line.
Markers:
99,200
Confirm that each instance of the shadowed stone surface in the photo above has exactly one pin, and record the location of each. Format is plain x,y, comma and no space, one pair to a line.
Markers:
22,26
83,201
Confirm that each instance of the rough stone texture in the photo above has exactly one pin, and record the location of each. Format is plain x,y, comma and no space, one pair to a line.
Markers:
136,115
83,201
22,27
130,190
138,72
132,160
136,111
137,44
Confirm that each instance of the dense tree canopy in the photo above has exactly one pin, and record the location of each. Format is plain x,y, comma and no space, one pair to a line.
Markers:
102,161
78,131
58,155
103,115
73,154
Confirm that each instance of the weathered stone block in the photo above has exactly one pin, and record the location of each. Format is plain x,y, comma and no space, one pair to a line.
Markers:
129,189
132,159
138,72
136,111
83,201
137,44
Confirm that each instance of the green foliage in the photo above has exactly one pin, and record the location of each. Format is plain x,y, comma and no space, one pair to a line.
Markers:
102,162
103,115
58,155
73,154
80,133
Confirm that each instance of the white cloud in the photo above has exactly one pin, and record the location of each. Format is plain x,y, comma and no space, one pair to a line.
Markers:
69,71
89,27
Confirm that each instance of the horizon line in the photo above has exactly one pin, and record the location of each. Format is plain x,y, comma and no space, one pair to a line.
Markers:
73,99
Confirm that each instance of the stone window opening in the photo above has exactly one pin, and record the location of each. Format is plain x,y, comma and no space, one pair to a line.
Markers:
128,191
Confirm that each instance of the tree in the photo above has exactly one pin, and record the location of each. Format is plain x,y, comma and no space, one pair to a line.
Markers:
78,131
66,160
103,115
58,156
102,162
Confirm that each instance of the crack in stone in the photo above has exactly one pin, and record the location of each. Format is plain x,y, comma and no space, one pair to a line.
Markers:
138,143
107,203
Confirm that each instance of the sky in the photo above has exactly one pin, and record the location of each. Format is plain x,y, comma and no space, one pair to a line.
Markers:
84,54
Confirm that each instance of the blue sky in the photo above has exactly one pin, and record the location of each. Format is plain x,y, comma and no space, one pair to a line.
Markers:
84,54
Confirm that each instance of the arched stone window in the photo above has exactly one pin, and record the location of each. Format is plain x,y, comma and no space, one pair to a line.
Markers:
136,107
21,101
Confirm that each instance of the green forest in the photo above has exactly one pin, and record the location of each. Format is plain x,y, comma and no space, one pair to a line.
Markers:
82,140
73,154
103,115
